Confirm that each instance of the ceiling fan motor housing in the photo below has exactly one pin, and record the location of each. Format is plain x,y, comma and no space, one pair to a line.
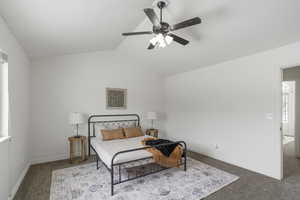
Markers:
163,29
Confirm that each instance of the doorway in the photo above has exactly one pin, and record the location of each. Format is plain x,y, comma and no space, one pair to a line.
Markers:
289,128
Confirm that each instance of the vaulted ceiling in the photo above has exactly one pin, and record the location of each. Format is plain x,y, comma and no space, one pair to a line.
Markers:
230,28
56,27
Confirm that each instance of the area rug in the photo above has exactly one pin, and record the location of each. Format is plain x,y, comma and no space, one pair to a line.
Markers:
86,183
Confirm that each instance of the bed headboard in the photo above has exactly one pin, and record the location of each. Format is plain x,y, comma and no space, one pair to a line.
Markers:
119,120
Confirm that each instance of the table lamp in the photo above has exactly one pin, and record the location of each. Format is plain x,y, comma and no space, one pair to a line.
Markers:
152,116
76,119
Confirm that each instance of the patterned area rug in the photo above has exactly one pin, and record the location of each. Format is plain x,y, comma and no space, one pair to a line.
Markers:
86,183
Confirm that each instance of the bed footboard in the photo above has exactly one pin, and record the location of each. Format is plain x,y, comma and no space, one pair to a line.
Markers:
119,165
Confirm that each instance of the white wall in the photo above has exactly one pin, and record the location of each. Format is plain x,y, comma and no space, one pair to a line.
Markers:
61,85
4,168
227,105
19,75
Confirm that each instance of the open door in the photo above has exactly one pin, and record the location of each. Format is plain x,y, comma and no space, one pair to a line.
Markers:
290,115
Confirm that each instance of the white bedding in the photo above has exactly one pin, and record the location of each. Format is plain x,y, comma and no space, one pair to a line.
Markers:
107,149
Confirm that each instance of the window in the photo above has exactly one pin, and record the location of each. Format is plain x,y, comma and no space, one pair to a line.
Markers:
286,101
285,108
4,99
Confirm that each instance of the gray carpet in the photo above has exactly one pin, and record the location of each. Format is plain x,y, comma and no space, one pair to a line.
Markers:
86,182
291,164
250,186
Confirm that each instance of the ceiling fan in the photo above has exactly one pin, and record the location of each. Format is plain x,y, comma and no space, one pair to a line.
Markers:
163,30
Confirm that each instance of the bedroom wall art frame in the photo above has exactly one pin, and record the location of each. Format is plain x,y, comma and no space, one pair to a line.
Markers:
116,98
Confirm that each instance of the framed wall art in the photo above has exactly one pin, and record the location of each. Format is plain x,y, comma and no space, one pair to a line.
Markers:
116,98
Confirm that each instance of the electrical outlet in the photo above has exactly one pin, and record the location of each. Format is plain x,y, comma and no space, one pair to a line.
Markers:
217,146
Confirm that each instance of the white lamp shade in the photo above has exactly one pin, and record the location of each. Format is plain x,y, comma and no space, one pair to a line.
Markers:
76,118
152,115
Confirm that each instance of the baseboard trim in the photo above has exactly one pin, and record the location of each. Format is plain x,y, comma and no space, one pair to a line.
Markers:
36,160
48,158
19,182
192,153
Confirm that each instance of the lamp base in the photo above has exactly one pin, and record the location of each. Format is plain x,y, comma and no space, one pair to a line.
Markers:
77,135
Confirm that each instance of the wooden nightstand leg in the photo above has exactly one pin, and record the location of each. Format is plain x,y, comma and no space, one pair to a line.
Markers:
84,150
71,151
81,146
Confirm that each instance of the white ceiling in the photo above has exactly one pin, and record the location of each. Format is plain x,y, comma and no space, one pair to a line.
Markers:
230,28
55,27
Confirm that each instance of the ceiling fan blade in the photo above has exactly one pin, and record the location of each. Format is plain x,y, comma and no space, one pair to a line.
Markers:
151,46
187,23
178,39
137,33
152,16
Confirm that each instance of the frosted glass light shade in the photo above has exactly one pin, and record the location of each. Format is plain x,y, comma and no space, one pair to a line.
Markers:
152,115
76,118
161,41
168,39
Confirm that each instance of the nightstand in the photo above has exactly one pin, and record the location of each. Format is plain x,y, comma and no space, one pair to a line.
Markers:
152,132
82,141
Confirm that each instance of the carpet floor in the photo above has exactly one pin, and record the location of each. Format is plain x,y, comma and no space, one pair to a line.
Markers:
87,183
251,186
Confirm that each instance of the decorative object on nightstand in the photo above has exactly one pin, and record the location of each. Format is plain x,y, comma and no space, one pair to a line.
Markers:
82,141
152,132
76,118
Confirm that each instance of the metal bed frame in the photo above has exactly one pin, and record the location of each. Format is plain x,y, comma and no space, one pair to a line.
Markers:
136,121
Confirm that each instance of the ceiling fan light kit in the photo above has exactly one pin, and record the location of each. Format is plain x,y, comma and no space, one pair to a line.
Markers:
162,30
161,41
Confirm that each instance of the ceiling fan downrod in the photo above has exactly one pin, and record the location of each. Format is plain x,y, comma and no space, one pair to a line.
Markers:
161,5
